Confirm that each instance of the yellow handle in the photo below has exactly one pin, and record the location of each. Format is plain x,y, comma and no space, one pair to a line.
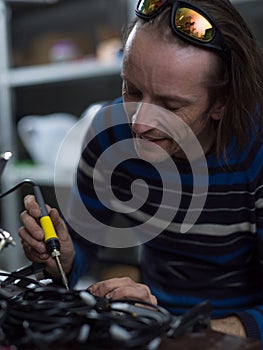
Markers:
48,228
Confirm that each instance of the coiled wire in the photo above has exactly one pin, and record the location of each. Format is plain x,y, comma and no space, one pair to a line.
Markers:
51,317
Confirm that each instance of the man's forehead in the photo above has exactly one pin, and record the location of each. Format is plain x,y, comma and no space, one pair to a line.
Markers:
165,69
151,33
145,42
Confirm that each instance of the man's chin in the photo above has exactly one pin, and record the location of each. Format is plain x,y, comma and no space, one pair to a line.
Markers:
152,157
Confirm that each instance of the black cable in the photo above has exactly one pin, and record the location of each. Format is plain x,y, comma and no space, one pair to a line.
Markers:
46,316
12,189
16,278
50,317
41,317
27,270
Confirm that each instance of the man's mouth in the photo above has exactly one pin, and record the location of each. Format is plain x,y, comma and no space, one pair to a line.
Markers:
151,139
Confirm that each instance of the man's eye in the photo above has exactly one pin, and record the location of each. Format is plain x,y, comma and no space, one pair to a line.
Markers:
130,91
134,93
171,108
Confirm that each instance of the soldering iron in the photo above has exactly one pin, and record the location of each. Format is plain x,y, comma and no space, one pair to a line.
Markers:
51,239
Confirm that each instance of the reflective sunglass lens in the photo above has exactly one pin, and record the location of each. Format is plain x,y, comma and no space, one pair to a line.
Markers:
191,22
149,7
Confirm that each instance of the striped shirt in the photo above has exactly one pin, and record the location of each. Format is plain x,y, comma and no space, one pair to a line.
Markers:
218,259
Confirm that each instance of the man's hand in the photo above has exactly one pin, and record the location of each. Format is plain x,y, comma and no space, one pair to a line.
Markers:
32,238
229,325
125,287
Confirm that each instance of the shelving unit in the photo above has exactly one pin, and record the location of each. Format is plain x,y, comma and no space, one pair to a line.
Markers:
60,72
27,76
19,77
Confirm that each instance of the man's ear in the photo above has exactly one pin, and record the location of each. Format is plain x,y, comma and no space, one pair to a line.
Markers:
217,111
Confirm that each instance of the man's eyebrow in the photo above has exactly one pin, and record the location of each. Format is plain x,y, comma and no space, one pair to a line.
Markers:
175,98
164,97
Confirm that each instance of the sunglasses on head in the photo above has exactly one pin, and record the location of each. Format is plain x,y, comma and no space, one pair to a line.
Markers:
188,21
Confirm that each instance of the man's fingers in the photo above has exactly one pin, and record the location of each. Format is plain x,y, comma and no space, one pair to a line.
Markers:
37,245
32,225
104,287
59,224
125,287
32,206
33,238
132,292
33,254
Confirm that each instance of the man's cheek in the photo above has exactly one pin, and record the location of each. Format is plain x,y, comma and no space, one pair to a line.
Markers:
129,109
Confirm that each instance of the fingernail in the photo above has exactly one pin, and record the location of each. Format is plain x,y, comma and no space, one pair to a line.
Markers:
44,256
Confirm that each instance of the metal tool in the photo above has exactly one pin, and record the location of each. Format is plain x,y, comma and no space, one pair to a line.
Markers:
4,157
5,239
51,238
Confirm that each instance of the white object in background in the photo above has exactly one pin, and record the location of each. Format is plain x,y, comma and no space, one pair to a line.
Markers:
42,135
70,149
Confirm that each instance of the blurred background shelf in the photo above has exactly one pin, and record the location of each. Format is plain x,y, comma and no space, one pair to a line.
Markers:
59,72
56,56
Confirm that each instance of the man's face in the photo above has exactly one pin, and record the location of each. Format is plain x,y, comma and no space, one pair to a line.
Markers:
169,82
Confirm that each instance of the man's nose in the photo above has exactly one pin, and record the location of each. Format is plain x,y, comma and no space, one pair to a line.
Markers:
141,119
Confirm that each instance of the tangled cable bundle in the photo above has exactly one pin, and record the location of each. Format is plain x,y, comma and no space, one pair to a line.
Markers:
34,316
49,317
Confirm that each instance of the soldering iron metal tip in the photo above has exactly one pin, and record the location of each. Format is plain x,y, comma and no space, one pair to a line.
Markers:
62,273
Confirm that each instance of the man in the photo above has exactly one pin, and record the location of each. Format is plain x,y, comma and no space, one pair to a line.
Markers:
210,86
